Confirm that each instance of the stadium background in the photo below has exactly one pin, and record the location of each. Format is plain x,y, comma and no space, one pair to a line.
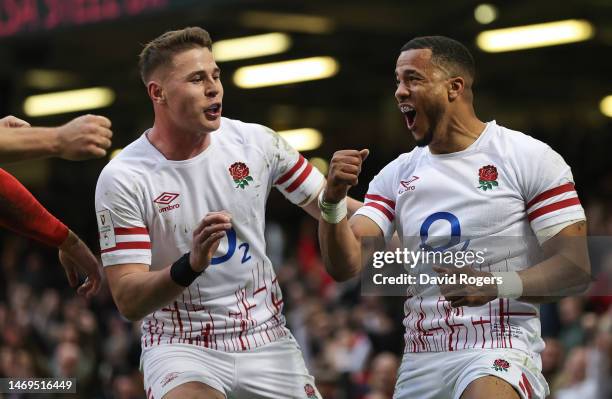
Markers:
351,343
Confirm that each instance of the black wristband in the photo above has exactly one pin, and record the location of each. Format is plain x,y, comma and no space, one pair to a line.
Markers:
182,273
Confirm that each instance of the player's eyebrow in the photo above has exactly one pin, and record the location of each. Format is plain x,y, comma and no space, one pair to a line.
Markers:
408,72
216,70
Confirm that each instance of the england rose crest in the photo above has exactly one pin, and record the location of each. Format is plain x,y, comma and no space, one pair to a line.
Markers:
501,365
310,391
487,177
240,173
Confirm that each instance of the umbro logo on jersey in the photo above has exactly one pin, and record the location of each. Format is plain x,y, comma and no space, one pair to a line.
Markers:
406,185
166,198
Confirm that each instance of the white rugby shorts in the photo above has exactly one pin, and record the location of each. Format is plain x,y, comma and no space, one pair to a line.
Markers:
272,371
445,375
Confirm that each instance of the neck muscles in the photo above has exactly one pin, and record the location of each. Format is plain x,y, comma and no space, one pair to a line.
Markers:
178,145
460,134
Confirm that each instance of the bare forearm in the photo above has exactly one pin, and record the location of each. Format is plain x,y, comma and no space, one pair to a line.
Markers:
142,293
566,271
27,143
340,249
554,278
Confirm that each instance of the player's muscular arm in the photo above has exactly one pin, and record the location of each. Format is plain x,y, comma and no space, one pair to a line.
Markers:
566,271
82,138
137,291
341,245
23,214
341,242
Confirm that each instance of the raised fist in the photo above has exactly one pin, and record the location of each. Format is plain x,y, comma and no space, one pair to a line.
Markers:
344,170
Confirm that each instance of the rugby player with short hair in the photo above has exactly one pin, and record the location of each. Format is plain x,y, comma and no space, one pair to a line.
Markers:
466,182
181,214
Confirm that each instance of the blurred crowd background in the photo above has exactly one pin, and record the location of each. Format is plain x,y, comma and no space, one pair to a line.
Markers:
352,343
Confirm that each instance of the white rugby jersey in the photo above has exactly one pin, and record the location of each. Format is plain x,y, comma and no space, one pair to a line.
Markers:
506,184
147,207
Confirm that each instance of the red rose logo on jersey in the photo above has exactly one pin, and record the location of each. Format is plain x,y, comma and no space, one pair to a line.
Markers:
501,365
240,173
310,391
487,177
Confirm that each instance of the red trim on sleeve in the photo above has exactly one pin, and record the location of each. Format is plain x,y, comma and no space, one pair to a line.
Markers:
128,245
551,193
375,197
291,171
296,183
381,208
131,230
553,207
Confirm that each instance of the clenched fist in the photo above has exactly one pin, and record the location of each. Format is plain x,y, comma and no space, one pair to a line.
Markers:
344,170
85,137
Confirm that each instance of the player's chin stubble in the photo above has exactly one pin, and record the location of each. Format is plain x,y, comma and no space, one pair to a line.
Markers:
434,116
426,139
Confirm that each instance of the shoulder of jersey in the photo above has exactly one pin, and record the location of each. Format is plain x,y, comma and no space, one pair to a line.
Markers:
242,132
407,157
135,156
398,164
505,141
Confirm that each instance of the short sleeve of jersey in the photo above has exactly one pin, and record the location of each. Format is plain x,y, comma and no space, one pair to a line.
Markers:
548,189
379,202
124,237
292,174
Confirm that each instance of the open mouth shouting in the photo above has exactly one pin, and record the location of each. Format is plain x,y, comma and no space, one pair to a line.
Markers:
213,112
410,115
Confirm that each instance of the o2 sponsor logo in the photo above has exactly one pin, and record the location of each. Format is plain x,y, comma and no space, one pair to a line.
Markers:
231,249
455,237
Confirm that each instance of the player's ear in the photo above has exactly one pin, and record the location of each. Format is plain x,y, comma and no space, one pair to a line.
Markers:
455,87
156,92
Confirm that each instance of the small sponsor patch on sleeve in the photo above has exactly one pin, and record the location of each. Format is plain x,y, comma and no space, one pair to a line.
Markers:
106,230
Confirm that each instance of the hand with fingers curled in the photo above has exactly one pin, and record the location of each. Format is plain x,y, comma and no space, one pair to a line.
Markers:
77,259
466,286
206,239
85,137
344,170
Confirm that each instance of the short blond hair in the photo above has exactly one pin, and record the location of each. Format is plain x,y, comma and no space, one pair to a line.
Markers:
159,51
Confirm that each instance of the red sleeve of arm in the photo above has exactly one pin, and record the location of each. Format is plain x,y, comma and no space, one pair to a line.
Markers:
23,214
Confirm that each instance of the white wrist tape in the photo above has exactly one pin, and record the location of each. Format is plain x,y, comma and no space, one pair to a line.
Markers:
332,213
511,286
